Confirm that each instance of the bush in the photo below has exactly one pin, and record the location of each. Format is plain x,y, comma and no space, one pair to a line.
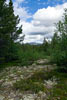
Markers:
29,85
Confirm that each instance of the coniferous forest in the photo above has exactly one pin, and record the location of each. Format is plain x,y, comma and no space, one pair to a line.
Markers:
39,69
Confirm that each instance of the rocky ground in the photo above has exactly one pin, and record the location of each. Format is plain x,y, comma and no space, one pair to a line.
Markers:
13,74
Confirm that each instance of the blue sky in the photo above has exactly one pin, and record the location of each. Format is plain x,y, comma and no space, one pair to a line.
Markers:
34,5
38,17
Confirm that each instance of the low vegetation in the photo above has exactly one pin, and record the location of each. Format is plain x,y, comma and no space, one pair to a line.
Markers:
59,91
29,86
35,83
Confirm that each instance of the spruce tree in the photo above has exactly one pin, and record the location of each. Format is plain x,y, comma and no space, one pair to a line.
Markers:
9,31
14,32
13,22
3,33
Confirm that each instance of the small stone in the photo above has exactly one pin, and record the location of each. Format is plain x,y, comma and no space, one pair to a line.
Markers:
1,80
34,64
7,84
17,98
43,96
2,97
28,97
40,93
11,75
21,76
50,83
11,99
25,67
19,71
12,95
15,78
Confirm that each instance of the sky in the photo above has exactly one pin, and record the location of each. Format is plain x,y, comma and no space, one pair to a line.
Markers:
38,17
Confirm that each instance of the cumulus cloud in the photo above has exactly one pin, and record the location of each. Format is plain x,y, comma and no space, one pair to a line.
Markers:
47,16
21,11
30,39
7,1
42,24
19,1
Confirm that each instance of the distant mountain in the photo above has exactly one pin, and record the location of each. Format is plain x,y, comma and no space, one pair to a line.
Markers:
34,43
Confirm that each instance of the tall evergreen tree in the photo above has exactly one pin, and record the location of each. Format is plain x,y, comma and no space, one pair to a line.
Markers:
14,32
55,40
3,33
13,22
9,30
45,45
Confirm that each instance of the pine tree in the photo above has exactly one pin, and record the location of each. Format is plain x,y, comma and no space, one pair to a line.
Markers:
3,35
13,22
14,32
45,45
9,30
55,40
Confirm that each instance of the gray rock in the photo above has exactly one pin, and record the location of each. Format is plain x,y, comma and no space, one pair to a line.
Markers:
7,83
50,83
21,76
42,61
43,96
28,97
2,97
12,95
17,98
11,75
11,99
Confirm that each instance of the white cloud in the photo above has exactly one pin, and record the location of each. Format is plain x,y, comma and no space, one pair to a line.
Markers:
21,11
30,39
42,24
7,1
19,1
48,16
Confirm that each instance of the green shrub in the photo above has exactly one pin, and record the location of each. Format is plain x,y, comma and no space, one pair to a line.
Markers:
29,85
59,91
42,75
